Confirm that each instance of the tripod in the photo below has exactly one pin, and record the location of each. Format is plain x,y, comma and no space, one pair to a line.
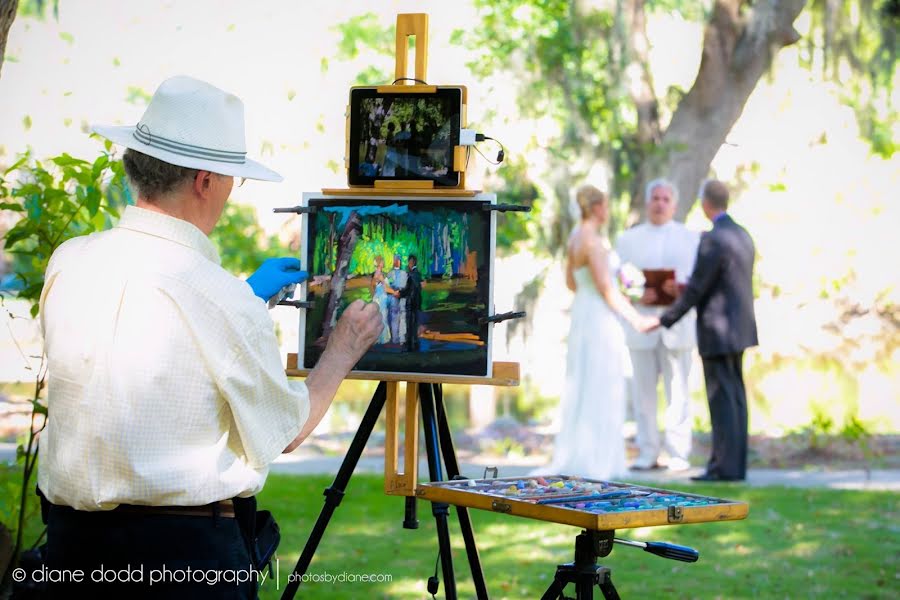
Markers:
585,573
438,443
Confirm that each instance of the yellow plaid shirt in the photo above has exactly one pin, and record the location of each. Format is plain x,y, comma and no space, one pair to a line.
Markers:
165,382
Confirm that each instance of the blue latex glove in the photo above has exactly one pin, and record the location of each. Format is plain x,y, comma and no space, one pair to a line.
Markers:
274,274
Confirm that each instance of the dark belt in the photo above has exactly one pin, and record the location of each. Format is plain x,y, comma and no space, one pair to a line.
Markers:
222,509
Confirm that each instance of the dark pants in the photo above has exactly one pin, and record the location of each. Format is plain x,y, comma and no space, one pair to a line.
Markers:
728,412
412,329
162,547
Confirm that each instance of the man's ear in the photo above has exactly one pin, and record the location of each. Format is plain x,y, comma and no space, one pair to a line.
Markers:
202,182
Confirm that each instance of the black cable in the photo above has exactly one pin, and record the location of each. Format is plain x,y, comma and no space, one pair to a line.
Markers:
433,582
408,79
485,157
480,137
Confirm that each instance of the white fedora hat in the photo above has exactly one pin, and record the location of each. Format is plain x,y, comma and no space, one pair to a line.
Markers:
192,124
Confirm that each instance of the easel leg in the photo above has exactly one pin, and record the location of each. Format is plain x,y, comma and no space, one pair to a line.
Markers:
440,510
465,523
335,493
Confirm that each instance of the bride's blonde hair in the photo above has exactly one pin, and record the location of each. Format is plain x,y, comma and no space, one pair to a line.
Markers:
586,197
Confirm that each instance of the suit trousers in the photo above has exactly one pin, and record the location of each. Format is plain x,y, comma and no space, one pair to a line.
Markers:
673,366
727,399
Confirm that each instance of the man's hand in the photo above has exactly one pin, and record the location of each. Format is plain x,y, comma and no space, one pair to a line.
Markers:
355,332
274,274
647,324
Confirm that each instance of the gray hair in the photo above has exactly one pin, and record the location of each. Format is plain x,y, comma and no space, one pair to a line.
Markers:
661,182
150,177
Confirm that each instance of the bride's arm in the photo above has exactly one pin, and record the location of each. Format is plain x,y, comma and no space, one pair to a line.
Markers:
599,264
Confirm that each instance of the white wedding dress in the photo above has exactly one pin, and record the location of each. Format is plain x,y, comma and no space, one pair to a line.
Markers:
590,442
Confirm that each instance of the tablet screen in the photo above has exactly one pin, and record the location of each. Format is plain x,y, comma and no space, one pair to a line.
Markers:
404,135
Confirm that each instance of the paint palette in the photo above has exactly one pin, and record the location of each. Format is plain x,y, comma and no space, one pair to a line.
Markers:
599,505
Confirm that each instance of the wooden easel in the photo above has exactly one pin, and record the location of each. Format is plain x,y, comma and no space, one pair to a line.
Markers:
423,391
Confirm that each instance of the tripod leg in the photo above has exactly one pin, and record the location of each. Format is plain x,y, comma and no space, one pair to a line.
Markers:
335,493
462,513
440,510
555,591
607,587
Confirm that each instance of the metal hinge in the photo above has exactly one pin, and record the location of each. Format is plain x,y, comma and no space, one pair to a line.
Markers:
676,514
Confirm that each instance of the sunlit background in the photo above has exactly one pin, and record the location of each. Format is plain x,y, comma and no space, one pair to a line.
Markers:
820,202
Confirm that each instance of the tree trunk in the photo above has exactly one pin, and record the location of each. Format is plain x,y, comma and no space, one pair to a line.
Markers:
634,70
738,47
7,16
346,244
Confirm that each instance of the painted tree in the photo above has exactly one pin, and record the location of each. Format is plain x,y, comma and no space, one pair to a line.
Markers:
346,244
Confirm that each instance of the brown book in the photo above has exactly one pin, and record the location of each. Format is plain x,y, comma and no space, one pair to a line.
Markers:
654,278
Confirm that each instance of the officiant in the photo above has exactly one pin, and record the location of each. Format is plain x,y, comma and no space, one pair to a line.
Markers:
661,243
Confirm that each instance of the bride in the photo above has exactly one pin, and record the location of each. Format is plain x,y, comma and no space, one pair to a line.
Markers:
590,442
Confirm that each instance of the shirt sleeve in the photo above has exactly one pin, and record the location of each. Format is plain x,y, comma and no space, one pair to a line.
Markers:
268,410
706,270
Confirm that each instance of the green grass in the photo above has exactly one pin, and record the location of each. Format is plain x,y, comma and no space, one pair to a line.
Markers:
796,543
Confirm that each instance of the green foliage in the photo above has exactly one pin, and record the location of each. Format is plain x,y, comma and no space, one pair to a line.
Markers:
241,242
514,187
57,200
38,9
564,56
365,33
854,43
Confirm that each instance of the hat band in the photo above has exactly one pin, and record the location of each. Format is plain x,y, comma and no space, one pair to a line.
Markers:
143,135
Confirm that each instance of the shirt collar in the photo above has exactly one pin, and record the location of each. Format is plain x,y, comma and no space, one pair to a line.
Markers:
720,216
169,228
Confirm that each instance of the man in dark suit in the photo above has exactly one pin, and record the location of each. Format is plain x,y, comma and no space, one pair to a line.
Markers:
413,294
721,288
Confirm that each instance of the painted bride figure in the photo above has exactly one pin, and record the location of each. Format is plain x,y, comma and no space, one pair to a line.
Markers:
590,442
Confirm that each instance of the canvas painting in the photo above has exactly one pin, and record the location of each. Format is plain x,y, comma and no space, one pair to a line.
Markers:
425,264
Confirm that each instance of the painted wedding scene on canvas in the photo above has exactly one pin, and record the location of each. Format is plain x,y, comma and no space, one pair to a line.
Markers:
425,264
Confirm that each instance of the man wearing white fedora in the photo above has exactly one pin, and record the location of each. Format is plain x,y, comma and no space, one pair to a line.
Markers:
167,397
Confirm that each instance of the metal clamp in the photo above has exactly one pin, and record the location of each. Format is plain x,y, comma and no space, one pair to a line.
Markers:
501,317
297,210
676,514
506,208
492,470
297,304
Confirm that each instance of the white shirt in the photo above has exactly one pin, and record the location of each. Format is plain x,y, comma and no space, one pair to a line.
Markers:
165,385
669,246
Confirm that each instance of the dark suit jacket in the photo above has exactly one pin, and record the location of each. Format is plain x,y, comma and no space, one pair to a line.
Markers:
413,290
721,287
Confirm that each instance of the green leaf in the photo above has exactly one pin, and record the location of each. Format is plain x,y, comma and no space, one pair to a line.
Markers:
92,202
12,206
99,165
38,408
16,165
16,234
65,160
